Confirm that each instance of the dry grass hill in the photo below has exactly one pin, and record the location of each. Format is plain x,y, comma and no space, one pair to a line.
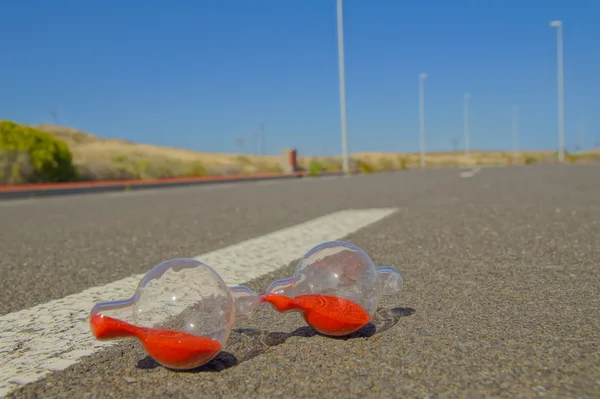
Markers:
98,158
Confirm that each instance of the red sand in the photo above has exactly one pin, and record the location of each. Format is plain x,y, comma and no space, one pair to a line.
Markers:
170,348
326,313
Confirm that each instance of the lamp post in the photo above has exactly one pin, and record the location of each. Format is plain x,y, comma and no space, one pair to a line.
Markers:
581,135
422,77
262,139
340,32
515,133
560,84
466,123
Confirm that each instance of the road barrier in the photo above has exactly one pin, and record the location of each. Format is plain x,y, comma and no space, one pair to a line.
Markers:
55,189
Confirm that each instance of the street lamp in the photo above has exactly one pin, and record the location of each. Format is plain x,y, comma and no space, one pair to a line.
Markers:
560,78
515,132
422,77
262,138
581,134
466,122
340,26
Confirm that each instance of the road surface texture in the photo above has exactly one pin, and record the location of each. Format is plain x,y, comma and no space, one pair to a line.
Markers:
501,295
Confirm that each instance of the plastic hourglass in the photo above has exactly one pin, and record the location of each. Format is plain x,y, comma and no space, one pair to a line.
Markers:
182,312
336,288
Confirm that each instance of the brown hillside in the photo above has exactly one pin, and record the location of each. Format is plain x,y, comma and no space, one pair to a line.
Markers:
100,158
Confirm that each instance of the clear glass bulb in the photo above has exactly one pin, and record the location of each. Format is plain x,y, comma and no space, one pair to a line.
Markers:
336,287
182,312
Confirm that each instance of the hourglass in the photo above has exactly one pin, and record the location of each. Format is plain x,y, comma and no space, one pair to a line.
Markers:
336,288
183,312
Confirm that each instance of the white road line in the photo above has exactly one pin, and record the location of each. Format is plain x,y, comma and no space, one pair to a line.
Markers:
470,173
54,335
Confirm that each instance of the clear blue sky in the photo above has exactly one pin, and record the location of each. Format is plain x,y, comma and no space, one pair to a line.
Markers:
197,74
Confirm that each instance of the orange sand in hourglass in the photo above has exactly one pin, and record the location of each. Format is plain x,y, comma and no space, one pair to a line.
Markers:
172,348
326,313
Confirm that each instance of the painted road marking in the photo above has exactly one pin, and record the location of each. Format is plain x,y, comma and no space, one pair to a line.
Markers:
54,335
470,173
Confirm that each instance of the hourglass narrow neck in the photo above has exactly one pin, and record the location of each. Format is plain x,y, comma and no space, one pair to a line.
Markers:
245,302
284,287
121,309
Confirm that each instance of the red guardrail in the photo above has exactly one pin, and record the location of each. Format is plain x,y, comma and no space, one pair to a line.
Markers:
43,189
138,182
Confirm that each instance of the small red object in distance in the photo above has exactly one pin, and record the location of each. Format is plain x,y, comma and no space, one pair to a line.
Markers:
327,314
170,348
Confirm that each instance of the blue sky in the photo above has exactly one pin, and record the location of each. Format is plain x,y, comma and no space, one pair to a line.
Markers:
198,74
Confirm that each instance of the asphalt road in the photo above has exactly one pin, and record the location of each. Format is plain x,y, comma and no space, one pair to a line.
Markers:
502,284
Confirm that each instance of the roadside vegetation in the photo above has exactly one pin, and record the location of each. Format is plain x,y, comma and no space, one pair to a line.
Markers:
28,155
48,153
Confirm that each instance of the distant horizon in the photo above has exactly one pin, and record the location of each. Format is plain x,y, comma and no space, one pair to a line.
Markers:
442,150
473,150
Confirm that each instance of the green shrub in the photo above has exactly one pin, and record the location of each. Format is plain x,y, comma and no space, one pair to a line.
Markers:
365,167
315,168
332,164
530,159
50,159
197,169
572,157
15,167
403,161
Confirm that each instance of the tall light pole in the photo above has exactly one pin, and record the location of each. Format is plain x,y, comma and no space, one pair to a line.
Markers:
262,138
422,77
581,135
340,26
560,78
466,122
515,133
